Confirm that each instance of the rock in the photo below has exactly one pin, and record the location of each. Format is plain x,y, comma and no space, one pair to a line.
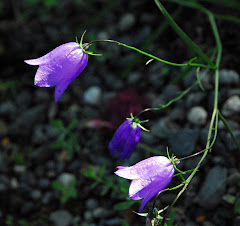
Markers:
8,110
19,169
194,99
92,204
61,218
47,198
27,208
161,128
43,183
231,106
36,194
66,178
228,77
213,188
23,100
197,116
92,95
182,142
127,21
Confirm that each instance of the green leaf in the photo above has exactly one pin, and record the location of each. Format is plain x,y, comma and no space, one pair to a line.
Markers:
72,124
237,206
124,205
58,185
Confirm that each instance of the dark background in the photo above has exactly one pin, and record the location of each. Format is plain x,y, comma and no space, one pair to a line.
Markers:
29,164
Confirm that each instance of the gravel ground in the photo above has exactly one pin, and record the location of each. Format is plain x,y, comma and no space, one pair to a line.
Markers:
32,158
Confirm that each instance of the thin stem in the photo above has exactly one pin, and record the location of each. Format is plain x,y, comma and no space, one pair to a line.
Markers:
214,118
183,35
211,66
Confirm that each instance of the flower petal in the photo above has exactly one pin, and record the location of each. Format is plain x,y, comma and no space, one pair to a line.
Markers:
148,168
60,88
67,68
130,143
120,136
55,55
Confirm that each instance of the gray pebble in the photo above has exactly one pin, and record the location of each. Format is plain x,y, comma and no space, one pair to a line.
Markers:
231,106
197,116
182,142
61,217
92,95
66,178
127,21
213,188
92,204
228,77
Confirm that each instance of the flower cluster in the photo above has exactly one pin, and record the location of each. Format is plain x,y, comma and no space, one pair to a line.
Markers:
150,176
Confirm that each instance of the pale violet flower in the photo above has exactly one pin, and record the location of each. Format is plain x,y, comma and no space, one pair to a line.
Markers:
59,67
149,177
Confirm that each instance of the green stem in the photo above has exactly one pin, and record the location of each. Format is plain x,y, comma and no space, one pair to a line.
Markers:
183,35
214,118
211,66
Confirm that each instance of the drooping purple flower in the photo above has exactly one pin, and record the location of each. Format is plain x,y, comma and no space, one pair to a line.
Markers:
59,67
125,139
148,176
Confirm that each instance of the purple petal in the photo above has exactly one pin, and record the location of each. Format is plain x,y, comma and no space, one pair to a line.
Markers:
120,136
130,144
55,55
60,88
67,68
153,166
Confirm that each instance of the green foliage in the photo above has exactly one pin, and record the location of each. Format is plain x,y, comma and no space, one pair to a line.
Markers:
107,183
8,85
237,206
67,139
67,191
9,220
47,3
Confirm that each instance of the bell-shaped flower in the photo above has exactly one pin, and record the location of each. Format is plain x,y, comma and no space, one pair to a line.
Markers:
148,176
59,67
125,139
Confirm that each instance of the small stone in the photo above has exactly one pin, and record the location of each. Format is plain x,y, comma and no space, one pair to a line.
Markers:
14,183
231,106
213,188
66,178
197,116
127,21
92,95
228,77
182,142
92,204
36,194
61,217
43,183
27,208
19,169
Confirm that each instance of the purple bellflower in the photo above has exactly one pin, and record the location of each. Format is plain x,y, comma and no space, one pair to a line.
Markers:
148,176
125,139
59,67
